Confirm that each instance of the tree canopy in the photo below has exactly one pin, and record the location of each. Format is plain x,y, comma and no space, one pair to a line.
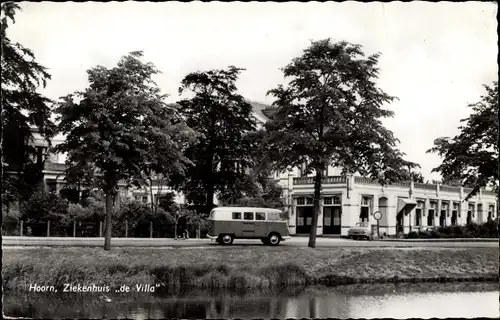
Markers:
330,113
119,127
257,188
22,107
471,157
223,120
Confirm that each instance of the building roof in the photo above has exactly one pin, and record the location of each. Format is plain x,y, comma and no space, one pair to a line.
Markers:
263,112
269,112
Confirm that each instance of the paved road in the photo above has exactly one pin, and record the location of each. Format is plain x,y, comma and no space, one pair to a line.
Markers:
9,241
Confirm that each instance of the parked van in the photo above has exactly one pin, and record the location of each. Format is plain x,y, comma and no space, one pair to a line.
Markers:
229,223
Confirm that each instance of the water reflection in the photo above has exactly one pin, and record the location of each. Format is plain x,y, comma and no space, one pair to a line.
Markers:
360,301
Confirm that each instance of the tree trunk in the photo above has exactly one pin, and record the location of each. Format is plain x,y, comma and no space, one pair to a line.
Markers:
317,193
158,193
210,179
175,228
210,197
210,186
153,211
109,209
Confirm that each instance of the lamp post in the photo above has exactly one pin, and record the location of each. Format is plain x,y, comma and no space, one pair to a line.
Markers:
378,215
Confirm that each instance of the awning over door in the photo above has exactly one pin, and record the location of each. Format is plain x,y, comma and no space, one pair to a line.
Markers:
407,205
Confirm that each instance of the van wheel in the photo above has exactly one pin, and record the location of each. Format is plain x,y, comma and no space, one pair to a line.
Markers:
265,241
274,239
226,239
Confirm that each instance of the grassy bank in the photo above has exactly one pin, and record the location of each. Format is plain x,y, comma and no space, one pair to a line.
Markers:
251,267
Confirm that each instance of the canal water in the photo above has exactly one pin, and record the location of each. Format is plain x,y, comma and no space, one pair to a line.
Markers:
428,300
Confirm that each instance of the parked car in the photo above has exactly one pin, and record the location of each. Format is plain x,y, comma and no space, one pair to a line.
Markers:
428,232
361,230
430,228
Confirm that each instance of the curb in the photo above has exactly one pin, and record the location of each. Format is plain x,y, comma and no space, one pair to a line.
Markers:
441,240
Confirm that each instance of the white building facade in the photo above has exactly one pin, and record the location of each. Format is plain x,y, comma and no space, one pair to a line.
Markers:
404,206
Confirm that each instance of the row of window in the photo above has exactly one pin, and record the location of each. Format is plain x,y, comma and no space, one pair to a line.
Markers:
144,199
259,216
301,201
367,202
455,206
303,173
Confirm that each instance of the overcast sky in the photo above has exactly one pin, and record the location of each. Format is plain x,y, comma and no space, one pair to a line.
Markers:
435,56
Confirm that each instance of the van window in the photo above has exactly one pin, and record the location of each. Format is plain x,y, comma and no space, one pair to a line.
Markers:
260,216
236,215
248,216
275,216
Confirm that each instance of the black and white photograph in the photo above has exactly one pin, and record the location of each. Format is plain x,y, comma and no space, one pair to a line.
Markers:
250,160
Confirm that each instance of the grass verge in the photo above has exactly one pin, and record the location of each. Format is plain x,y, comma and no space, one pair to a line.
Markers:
243,268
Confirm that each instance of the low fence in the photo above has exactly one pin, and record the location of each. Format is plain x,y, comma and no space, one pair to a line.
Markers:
85,229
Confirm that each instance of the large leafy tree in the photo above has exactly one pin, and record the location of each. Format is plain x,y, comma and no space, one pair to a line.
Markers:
22,106
120,127
330,114
223,119
257,188
471,157
409,174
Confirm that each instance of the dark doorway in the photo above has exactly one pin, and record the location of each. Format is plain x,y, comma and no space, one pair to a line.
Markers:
442,218
418,217
332,220
454,218
304,219
363,215
400,222
430,218
469,217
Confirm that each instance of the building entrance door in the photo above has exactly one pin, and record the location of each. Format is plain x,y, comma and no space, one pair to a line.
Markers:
442,219
454,218
400,222
332,220
469,217
304,219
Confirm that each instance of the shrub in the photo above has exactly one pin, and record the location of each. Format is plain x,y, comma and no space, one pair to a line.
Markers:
42,206
424,234
491,228
413,235
444,230
139,217
435,234
457,231
10,223
78,213
472,230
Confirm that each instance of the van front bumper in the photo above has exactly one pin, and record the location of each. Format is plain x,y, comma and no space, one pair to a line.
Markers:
286,238
211,237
